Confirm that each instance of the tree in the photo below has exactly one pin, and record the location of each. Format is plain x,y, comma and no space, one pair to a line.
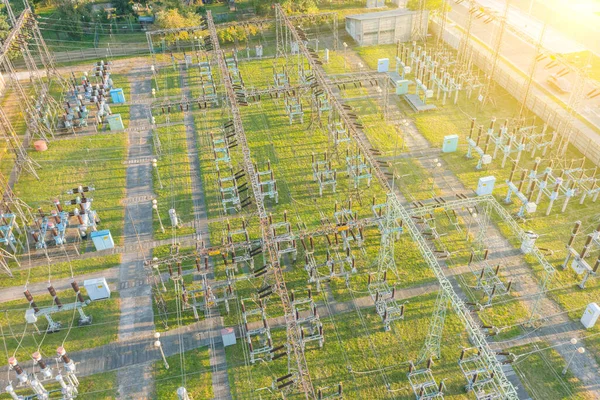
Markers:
238,33
262,8
4,27
300,6
123,7
173,19
4,30
73,16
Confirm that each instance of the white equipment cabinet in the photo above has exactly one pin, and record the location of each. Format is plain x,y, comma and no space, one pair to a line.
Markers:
590,316
97,289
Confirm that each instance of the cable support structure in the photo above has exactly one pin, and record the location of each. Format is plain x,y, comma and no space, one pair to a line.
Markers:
487,200
458,305
300,235
293,335
251,95
363,76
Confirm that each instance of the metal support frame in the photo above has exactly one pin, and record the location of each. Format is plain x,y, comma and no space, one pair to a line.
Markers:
267,183
34,312
487,279
259,340
349,227
357,168
423,383
8,225
41,110
58,221
572,181
578,258
474,146
323,173
242,254
337,132
501,19
440,70
418,31
480,380
294,109
387,307
283,237
308,322
390,226
433,340
337,265
229,190
208,295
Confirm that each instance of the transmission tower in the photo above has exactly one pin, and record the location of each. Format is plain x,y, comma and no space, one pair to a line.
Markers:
22,159
443,19
274,280
40,108
575,99
419,31
536,57
281,37
496,52
465,42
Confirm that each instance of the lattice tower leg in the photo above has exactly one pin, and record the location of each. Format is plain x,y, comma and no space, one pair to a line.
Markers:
433,341
386,260
547,279
280,35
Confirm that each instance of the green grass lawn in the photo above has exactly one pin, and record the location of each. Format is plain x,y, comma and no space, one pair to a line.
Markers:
168,81
193,372
174,170
360,356
13,110
289,148
95,160
540,373
59,270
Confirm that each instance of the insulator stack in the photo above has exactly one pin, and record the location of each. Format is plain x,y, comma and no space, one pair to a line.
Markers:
52,292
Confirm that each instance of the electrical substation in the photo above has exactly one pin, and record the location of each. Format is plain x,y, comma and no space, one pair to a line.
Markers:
356,200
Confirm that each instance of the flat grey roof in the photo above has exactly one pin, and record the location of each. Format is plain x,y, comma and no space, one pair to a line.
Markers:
381,14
